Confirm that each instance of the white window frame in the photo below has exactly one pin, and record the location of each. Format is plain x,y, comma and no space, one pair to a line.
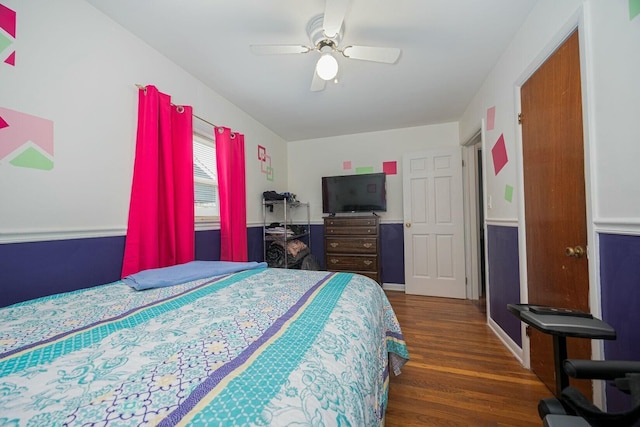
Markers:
203,214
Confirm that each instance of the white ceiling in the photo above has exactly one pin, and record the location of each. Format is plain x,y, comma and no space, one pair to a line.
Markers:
448,48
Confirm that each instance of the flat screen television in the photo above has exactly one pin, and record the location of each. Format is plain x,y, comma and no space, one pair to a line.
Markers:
354,193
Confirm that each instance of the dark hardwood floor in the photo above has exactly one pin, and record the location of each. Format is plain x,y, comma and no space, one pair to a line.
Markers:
460,373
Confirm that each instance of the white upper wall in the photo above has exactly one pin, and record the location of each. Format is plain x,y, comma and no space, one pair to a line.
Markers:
611,53
614,56
310,160
499,90
77,68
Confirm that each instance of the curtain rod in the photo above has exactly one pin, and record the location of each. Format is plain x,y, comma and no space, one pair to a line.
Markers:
139,86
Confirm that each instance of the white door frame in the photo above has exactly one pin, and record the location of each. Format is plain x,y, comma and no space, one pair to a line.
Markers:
472,225
577,20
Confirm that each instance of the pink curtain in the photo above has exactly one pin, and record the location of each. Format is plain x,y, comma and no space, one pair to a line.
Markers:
161,228
233,195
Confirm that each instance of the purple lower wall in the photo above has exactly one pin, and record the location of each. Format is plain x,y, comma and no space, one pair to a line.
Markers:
504,276
36,269
208,245
620,293
392,252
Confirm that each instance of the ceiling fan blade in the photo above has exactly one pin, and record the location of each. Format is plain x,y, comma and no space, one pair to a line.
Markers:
388,55
278,49
317,84
334,12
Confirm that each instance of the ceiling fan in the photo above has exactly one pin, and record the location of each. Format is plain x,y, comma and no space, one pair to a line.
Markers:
325,32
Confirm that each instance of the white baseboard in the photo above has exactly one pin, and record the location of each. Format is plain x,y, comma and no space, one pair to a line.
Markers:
393,287
507,341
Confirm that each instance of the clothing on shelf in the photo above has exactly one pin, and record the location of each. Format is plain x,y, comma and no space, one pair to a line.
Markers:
277,229
296,252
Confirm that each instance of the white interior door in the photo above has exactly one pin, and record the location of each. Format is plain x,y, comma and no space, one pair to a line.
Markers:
434,223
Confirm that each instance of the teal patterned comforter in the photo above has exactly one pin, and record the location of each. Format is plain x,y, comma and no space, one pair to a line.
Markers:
263,347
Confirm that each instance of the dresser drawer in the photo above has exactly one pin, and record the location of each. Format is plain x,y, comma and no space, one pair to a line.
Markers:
350,231
350,222
352,263
351,245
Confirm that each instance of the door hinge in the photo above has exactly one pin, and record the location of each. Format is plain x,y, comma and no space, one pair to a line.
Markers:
519,118
527,330
463,163
466,280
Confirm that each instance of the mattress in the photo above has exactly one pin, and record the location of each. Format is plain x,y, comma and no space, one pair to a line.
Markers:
261,347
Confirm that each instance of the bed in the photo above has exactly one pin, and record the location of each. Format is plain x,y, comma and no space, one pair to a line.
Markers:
257,346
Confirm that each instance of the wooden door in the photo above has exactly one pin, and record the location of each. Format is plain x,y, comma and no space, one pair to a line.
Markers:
434,223
555,206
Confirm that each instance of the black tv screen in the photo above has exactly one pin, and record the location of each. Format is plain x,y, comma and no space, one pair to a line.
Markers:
354,193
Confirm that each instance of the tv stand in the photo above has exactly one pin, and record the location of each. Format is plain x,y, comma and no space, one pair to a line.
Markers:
352,243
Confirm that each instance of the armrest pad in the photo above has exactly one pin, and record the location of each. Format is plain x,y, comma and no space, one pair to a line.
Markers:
600,369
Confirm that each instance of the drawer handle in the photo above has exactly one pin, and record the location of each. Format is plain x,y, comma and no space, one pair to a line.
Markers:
367,262
334,245
334,261
367,245
369,230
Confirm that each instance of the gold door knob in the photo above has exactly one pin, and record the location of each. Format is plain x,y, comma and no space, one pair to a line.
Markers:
577,252
408,225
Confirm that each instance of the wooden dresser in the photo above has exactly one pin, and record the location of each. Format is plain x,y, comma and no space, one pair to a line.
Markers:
352,243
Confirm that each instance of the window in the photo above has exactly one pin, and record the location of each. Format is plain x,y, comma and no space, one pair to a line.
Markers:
205,178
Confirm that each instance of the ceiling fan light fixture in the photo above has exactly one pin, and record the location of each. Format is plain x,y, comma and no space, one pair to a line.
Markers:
327,67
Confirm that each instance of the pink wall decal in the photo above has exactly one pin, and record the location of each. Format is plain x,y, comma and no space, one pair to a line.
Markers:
265,162
346,165
390,168
491,118
8,20
8,24
11,59
499,154
21,128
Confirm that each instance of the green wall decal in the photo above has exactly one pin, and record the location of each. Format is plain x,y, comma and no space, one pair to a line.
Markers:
634,8
366,169
32,158
508,193
4,42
